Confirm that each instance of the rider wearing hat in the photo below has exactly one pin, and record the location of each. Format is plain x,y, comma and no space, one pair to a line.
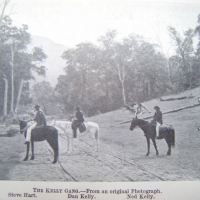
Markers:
39,120
158,119
77,121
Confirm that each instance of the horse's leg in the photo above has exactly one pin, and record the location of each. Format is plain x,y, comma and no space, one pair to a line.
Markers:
32,149
72,143
97,138
53,142
68,139
97,144
27,152
148,146
169,146
155,146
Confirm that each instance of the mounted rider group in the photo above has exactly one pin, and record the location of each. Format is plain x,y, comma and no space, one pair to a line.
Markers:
38,130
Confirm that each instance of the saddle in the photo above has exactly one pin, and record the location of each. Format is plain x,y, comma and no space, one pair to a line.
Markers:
153,124
165,127
82,127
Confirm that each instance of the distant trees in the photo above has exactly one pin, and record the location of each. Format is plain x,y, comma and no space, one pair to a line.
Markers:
99,77
111,74
114,73
184,51
43,93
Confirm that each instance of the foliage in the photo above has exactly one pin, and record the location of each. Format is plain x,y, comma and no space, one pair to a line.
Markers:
43,94
105,77
16,64
113,73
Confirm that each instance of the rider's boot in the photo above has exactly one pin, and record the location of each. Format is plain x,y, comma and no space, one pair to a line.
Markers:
158,137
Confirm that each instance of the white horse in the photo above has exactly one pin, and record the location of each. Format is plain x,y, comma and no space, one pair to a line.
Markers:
65,126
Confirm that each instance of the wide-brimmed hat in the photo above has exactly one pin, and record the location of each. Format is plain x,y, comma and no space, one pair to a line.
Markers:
77,108
36,106
156,107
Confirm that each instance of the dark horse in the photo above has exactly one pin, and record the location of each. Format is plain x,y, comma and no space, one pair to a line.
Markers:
166,131
41,133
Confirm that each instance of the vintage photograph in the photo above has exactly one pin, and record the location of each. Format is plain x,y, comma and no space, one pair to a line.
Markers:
99,91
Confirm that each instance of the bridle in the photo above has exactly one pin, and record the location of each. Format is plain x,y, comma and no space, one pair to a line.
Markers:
142,125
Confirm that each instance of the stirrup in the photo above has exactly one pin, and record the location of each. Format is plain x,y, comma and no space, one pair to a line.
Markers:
26,142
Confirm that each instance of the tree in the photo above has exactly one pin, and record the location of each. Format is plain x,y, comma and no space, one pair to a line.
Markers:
164,52
5,93
3,8
79,86
184,49
115,57
43,94
15,62
16,39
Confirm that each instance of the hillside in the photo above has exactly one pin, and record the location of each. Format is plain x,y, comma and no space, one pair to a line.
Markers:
54,63
123,115
121,155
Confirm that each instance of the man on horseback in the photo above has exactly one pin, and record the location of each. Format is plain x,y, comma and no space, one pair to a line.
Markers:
158,120
79,119
39,120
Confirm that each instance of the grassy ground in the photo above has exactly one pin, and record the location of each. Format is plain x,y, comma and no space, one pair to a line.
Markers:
121,156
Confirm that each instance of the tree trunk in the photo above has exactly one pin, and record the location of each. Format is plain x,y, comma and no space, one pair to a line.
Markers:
168,69
45,111
19,95
123,92
149,87
5,109
3,10
12,81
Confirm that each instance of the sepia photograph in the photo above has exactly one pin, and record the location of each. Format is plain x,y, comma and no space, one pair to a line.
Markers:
99,94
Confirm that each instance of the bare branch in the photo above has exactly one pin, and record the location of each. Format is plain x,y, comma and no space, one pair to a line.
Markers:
6,2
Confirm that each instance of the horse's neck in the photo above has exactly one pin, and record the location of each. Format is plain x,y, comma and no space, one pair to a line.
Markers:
63,124
142,124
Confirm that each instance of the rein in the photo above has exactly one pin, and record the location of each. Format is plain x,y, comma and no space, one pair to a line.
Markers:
27,126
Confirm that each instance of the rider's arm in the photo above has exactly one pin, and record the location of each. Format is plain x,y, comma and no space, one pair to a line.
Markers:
157,116
43,118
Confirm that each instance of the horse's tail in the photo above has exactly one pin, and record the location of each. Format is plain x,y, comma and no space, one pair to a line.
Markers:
172,137
54,144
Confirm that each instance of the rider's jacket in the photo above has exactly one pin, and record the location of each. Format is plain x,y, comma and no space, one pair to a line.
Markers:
79,116
40,118
158,117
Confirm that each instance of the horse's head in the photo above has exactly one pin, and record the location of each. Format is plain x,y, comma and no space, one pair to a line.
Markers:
22,125
134,123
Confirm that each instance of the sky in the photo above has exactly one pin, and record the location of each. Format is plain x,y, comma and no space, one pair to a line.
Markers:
70,22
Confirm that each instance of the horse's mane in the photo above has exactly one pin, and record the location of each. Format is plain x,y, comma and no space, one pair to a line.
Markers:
141,120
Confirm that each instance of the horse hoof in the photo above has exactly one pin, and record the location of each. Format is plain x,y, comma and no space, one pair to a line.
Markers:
25,159
147,154
54,162
168,154
157,154
32,158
